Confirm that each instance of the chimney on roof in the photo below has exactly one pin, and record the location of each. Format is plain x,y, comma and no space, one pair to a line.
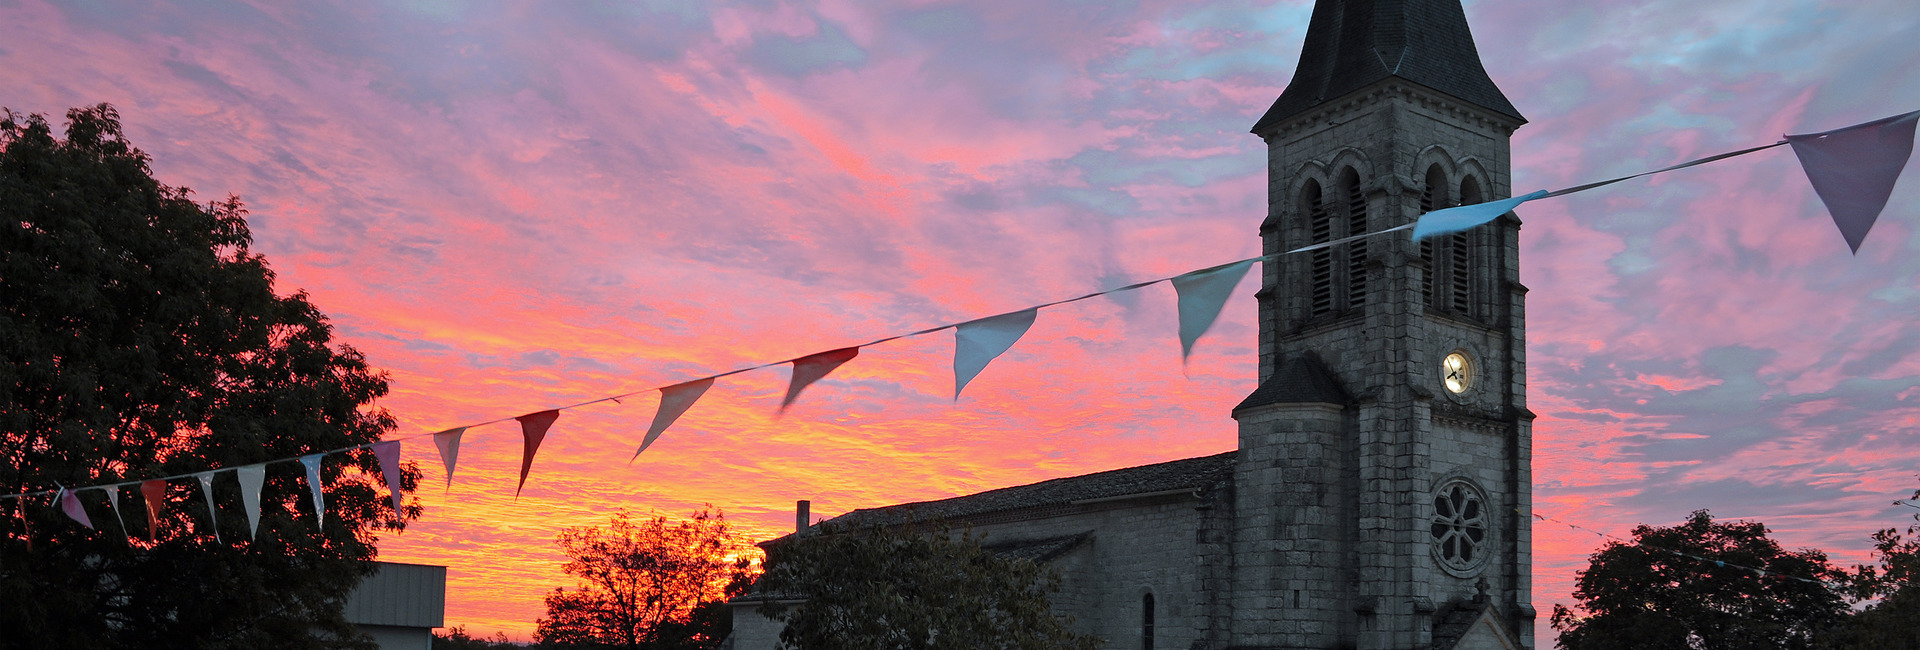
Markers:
801,516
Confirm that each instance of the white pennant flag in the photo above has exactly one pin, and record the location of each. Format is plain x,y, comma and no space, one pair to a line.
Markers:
1201,295
449,443
1455,219
674,402
312,461
251,477
977,343
113,503
206,488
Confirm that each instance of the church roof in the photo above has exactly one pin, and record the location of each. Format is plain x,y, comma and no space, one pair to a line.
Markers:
1039,550
1189,473
1300,379
1352,44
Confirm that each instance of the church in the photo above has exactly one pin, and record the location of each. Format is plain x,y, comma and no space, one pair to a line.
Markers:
1379,495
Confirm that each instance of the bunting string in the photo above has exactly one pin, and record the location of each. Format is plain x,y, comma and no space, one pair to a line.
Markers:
1852,169
1717,563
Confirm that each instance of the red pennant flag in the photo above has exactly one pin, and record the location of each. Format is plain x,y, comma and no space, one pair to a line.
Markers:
812,368
533,426
389,454
155,493
26,529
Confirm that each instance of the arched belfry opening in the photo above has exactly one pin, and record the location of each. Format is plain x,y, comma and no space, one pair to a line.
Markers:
1313,204
1356,225
1433,196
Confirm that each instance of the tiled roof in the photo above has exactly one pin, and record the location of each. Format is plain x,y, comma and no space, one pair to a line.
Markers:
1353,43
1300,379
1038,550
1192,473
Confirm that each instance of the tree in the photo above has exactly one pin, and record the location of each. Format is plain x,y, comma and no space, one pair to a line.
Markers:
1694,586
1892,622
142,338
457,638
882,588
655,584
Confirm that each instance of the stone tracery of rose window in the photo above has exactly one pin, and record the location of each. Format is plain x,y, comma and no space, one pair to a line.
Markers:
1459,526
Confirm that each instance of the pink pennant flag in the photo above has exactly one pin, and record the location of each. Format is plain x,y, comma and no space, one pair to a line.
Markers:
1853,169
389,454
155,494
533,427
251,478
674,402
70,504
812,368
449,443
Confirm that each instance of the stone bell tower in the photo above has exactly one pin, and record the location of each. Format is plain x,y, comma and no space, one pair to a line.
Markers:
1384,477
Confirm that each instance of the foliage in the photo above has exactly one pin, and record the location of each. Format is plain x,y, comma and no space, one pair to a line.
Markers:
457,638
1684,587
1890,623
884,588
142,338
654,584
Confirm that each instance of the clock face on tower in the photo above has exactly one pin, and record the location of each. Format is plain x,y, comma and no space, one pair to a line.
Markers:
1456,372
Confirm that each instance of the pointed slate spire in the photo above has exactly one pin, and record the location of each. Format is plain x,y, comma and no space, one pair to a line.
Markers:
1353,43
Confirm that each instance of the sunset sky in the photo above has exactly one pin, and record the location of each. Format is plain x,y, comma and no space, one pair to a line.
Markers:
510,207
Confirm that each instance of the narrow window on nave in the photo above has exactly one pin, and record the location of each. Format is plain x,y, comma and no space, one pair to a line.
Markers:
1146,622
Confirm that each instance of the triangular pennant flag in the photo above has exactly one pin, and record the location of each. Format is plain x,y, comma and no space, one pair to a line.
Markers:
206,488
533,428
26,528
1201,295
449,443
155,493
312,461
1853,169
251,477
977,343
1440,222
70,504
389,454
812,368
113,503
674,402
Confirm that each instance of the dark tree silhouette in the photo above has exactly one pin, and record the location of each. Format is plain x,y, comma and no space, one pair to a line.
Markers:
655,584
886,588
141,339
1693,586
1892,621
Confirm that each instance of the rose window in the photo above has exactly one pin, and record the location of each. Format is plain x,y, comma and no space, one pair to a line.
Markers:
1459,526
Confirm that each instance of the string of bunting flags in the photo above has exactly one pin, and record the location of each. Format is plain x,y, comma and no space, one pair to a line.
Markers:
1852,169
